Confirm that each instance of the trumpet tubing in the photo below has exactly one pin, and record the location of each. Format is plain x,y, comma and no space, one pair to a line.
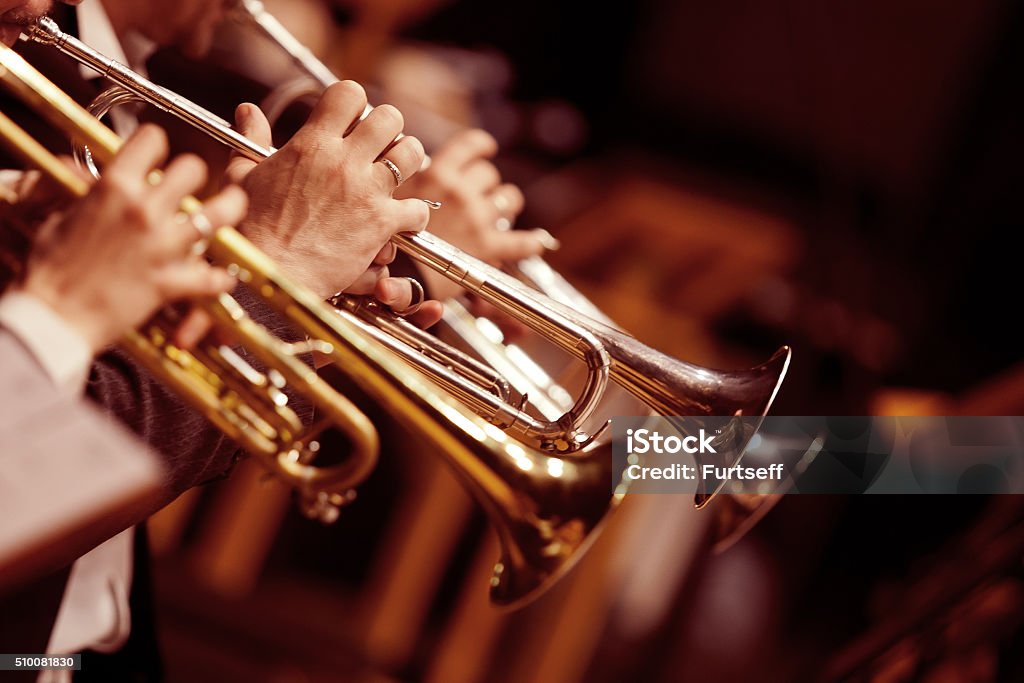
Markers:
244,404
534,268
561,435
664,383
254,13
546,509
668,386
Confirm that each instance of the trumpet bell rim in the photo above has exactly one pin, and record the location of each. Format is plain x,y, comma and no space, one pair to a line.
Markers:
777,366
779,363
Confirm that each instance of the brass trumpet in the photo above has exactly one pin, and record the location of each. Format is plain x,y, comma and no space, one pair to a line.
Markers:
534,269
735,515
667,385
546,509
249,406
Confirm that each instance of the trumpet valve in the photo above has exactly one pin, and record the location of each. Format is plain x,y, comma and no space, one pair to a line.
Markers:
325,507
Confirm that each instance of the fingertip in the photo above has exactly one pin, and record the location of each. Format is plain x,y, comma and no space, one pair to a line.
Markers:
482,142
390,111
147,129
515,245
489,143
430,313
151,133
535,247
229,207
236,192
413,216
387,291
238,197
243,115
546,240
223,281
196,325
186,336
343,102
146,148
513,197
532,248
205,280
238,168
200,168
253,124
192,167
419,215
347,89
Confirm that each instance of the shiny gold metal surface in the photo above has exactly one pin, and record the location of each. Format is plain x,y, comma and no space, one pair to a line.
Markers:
546,509
247,405
668,385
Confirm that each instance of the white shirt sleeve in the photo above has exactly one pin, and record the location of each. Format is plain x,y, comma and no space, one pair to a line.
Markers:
94,612
58,348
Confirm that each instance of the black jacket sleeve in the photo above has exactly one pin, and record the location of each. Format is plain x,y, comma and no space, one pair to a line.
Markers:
193,450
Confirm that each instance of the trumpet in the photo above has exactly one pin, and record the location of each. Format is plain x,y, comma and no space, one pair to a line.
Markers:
319,76
547,509
249,406
734,515
667,385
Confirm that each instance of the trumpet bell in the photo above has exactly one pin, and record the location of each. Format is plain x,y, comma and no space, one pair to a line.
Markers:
558,511
738,509
560,503
674,387
547,484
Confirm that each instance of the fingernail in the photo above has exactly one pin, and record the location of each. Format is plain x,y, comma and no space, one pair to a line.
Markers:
547,240
243,115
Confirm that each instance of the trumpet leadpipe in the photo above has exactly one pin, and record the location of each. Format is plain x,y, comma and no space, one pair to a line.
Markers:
473,274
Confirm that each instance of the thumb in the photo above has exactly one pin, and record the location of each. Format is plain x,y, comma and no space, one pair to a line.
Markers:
250,122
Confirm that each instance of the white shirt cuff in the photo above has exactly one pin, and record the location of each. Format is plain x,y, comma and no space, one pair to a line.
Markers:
59,349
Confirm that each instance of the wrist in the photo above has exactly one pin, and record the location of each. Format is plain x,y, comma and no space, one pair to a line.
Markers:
88,325
58,345
309,264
